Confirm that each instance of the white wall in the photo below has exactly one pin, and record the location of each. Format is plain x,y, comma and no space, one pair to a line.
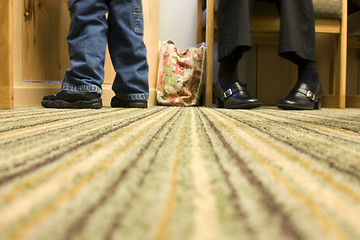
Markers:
178,22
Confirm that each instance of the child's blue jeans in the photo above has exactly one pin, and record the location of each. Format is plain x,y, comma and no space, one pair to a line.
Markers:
88,36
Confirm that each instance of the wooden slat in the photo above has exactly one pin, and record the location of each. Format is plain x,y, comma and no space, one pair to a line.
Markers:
353,101
324,25
354,42
330,101
210,52
45,52
343,55
354,23
6,59
151,39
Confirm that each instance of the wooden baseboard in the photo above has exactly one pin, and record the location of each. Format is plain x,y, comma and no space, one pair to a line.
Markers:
32,96
353,101
332,101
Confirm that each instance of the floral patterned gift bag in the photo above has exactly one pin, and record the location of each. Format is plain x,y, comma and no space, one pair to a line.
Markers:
180,77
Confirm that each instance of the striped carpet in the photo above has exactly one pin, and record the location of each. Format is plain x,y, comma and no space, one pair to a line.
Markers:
170,173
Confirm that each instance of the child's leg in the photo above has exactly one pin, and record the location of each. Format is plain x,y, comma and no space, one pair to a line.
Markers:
128,53
87,39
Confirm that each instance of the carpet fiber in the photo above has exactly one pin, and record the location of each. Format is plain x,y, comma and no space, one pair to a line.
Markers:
168,173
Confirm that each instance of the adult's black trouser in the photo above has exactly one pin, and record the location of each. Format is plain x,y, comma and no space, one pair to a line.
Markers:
297,28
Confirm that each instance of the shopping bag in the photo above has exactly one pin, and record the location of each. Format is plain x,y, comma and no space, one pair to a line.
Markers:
180,75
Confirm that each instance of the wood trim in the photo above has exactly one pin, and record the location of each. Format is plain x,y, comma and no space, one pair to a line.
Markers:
6,51
343,55
209,52
325,25
330,101
151,39
272,24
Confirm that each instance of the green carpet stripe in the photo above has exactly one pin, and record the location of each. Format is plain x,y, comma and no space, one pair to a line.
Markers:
349,129
78,142
179,173
233,197
47,122
333,120
72,152
265,196
206,225
292,140
28,112
319,128
33,121
167,213
80,223
327,178
164,129
36,141
82,182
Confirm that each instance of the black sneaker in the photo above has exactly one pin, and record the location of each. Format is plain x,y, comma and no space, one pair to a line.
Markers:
117,102
70,99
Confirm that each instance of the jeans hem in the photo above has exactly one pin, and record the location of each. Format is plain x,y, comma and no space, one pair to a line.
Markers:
134,96
81,88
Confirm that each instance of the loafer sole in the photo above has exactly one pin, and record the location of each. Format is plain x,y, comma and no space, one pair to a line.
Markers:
129,104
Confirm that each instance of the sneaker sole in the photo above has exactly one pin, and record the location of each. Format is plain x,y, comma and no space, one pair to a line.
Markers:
129,104
92,104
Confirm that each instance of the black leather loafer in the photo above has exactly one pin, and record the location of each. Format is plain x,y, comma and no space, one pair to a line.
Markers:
117,102
301,98
236,97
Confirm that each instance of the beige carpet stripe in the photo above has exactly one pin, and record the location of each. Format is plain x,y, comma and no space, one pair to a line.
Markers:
22,112
8,127
353,149
327,129
64,140
306,200
206,222
131,197
180,174
41,127
33,181
40,113
26,226
231,198
328,178
309,116
264,195
55,125
86,165
162,232
38,164
85,123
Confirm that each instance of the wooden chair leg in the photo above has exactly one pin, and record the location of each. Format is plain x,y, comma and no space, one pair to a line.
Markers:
343,57
210,52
